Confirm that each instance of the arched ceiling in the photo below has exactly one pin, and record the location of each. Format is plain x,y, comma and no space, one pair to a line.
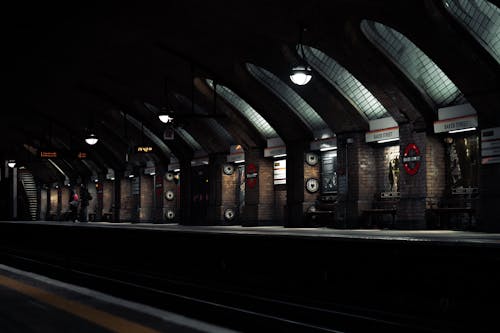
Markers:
97,60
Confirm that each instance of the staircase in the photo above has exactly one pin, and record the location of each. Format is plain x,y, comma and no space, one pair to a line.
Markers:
31,191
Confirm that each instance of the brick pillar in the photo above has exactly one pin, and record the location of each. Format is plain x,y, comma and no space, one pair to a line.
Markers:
159,196
127,201
185,191
311,171
294,216
411,208
170,185
259,199
117,196
146,198
435,156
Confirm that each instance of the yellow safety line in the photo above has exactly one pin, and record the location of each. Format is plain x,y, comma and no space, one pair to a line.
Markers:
101,318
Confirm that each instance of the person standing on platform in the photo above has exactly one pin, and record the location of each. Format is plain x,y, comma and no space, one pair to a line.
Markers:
85,197
73,205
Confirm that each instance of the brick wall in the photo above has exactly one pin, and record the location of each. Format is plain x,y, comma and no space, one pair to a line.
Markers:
266,190
146,199
64,200
279,202
53,201
311,171
92,209
259,201
107,196
436,170
228,187
127,201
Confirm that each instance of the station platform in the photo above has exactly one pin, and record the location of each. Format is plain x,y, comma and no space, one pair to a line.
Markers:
425,236
34,303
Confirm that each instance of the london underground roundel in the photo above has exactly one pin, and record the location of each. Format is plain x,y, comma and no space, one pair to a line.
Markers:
411,159
251,175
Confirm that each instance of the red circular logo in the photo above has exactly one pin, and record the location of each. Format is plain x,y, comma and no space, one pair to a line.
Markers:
251,175
411,159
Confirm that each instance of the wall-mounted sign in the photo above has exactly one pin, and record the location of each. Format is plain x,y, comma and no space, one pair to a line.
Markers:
82,155
490,145
150,171
236,154
279,172
48,154
323,144
144,149
273,151
251,175
411,159
456,123
382,134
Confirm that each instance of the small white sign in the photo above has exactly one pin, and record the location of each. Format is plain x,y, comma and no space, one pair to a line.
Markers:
490,145
235,157
273,151
323,144
279,168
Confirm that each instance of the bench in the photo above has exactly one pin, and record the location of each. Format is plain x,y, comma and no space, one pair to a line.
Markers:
449,211
320,217
369,213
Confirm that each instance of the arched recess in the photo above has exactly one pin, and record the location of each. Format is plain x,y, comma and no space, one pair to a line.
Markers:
481,19
434,85
302,110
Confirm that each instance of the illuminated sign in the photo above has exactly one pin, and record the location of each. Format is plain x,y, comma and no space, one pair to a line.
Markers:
81,155
48,154
454,124
144,149
279,172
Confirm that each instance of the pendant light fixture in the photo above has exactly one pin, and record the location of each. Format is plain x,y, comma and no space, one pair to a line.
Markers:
301,74
11,163
91,138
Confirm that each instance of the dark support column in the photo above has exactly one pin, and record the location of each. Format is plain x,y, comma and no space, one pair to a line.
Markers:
117,196
216,163
294,216
489,192
185,195
356,178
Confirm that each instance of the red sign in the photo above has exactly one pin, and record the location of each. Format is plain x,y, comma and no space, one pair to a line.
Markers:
251,175
411,159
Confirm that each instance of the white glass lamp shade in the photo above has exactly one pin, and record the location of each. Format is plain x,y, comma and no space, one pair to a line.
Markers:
301,75
11,163
166,116
91,139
